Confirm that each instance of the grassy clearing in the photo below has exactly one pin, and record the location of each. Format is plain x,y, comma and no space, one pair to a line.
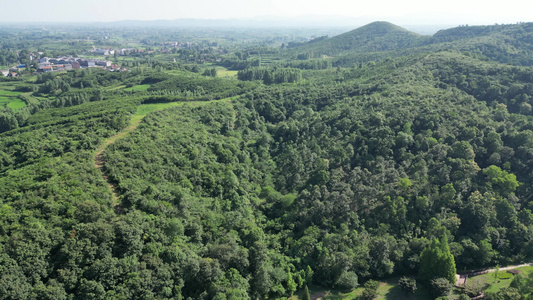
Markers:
490,284
144,109
223,72
388,289
16,104
138,88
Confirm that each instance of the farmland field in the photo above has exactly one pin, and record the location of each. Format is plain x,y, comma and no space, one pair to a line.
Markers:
9,99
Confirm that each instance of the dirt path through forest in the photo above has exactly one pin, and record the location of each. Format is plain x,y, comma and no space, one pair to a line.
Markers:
99,161
136,119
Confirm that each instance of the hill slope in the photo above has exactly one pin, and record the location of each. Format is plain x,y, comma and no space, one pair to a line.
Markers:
376,36
510,44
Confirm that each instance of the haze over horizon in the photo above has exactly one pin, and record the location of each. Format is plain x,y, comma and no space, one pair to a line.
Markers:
409,12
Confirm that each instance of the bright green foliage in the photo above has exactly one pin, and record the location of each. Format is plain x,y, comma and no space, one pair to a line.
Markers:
291,284
523,285
404,184
505,183
436,261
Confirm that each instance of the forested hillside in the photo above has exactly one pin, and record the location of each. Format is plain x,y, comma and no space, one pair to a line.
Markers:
282,176
374,37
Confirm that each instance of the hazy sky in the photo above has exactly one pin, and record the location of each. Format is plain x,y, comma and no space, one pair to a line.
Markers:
400,11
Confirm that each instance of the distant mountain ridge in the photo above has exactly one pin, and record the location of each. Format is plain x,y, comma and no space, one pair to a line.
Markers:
378,40
266,21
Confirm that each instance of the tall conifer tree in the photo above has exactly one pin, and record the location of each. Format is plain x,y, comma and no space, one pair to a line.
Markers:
437,261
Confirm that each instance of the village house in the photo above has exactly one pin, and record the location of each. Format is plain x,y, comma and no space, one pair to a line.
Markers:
105,52
103,63
45,69
44,64
4,72
69,63
86,63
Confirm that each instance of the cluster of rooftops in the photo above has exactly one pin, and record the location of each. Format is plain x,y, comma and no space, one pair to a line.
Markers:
69,62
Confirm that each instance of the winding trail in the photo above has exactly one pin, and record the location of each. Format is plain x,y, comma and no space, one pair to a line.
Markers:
142,111
99,160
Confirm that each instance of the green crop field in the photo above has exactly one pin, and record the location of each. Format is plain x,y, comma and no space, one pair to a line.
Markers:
9,99
9,93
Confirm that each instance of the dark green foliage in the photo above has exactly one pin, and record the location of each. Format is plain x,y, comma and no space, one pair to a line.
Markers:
441,287
347,281
198,86
270,75
492,41
464,297
306,294
240,64
313,64
408,284
210,72
472,289
508,293
349,174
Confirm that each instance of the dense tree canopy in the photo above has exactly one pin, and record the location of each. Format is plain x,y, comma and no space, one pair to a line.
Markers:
299,173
